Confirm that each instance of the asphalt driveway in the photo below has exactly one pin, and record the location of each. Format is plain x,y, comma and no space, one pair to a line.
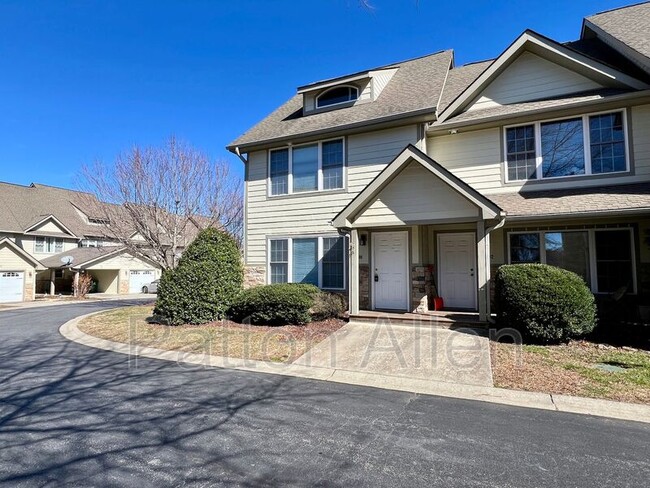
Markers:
75,416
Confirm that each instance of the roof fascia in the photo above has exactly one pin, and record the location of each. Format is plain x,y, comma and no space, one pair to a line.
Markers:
57,221
615,43
529,38
345,218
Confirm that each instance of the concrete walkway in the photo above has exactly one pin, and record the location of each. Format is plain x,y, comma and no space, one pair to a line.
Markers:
410,351
376,379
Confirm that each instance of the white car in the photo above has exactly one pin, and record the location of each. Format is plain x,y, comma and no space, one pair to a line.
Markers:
151,287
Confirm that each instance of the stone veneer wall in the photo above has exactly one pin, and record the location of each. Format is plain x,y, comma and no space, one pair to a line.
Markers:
254,276
422,288
364,286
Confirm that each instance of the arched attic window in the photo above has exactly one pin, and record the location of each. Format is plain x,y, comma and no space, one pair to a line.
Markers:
337,95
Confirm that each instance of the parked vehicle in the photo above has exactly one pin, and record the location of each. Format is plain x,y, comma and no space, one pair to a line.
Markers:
151,287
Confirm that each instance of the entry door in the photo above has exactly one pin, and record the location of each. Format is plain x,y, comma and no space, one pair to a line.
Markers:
12,284
457,270
390,270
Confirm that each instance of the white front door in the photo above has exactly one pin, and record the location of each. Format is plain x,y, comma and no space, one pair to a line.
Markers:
138,279
390,270
457,270
12,284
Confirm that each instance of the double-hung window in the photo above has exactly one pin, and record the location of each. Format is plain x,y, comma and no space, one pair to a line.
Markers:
602,257
317,260
48,245
306,168
585,145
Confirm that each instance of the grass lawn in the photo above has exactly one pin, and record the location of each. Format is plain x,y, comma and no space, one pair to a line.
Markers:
278,344
573,369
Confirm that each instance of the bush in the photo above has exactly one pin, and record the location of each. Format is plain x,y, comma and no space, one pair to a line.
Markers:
278,304
327,305
544,303
207,279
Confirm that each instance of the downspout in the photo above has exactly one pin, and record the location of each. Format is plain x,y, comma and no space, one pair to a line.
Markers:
498,225
238,153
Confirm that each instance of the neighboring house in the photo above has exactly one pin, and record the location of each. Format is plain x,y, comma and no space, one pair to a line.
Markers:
420,178
46,238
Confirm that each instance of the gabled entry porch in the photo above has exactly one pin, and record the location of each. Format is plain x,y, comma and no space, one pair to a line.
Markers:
417,232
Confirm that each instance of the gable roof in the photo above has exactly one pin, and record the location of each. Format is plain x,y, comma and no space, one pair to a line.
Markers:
458,79
625,27
33,229
413,91
81,256
411,153
606,75
4,241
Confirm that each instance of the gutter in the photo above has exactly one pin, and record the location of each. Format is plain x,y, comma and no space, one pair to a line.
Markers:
488,231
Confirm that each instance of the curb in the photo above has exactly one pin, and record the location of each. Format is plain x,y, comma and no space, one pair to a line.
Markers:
545,401
38,304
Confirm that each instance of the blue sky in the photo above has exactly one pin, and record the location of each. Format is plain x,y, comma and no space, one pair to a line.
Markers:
86,80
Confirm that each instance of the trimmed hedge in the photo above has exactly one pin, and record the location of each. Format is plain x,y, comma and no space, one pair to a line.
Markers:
544,303
285,303
207,279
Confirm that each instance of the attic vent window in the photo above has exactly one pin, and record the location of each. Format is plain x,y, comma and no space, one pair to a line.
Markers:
97,221
337,95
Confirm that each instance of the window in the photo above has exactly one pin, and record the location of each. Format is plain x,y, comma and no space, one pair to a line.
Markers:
279,260
91,243
337,95
48,245
591,144
319,261
611,268
309,167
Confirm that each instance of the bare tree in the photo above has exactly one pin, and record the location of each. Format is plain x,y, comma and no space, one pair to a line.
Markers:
154,200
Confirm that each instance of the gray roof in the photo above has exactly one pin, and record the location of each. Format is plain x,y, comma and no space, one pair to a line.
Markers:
23,206
575,202
415,88
630,25
80,256
460,78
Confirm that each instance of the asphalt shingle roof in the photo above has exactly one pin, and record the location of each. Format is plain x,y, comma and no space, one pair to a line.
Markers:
575,201
460,78
79,255
630,25
414,88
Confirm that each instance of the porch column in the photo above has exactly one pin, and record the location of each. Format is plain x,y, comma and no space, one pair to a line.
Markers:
52,280
482,271
75,284
353,273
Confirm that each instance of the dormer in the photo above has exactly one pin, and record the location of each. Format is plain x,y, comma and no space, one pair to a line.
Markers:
346,91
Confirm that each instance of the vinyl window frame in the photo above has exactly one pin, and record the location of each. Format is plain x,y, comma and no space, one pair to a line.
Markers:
320,238
289,148
325,92
586,144
50,245
593,265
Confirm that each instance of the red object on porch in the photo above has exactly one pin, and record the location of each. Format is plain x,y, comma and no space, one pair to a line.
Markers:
438,303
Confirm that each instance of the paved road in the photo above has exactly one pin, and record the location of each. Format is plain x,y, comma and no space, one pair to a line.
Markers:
75,416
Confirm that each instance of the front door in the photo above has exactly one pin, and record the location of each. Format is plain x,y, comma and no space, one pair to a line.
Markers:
457,270
390,270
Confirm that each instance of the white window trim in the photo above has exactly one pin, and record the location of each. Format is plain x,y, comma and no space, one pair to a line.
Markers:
586,146
593,263
289,148
46,247
320,238
339,103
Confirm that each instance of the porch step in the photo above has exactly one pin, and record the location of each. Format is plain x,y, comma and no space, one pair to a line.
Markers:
430,319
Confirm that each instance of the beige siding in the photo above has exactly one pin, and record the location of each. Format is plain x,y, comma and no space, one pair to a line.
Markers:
50,226
122,261
367,155
416,195
11,261
380,79
27,244
475,157
640,130
530,77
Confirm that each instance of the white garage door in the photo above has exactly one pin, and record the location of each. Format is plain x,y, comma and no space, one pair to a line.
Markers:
138,279
12,284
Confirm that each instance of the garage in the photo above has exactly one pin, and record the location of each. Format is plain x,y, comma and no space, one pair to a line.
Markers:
140,278
106,279
12,286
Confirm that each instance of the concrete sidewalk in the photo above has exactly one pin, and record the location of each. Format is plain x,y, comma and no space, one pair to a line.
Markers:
377,379
460,355
67,300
